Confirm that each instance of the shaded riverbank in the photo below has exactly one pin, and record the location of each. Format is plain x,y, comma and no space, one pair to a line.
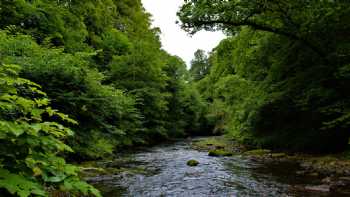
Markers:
163,171
329,174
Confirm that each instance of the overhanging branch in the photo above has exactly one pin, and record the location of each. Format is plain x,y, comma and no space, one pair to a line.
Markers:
266,29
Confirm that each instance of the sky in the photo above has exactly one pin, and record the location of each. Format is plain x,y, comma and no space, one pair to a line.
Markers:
174,40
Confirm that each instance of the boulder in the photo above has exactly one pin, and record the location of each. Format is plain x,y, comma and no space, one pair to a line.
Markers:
219,152
192,162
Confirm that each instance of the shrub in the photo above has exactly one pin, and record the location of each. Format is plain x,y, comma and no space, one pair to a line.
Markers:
31,141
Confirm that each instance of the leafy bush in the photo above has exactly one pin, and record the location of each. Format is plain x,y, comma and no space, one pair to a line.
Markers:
31,141
105,114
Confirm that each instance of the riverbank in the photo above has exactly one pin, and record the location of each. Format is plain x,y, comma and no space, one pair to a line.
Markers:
331,172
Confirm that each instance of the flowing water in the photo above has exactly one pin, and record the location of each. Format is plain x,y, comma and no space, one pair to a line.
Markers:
165,173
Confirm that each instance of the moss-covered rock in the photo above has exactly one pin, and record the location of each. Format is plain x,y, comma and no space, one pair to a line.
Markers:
219,152
258,152
224,143
192,162
210,143
278,155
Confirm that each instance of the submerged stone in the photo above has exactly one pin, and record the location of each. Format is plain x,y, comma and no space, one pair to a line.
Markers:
192,162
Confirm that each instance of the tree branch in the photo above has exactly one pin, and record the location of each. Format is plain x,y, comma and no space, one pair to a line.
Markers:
266,29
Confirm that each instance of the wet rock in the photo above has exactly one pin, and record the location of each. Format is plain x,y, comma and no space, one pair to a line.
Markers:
258,152
91,171
217,153
341,185
300,172
278,155
326,180
306,165
326,165
310,189
318,188
345,179
192,162
314,174
255,159
347,171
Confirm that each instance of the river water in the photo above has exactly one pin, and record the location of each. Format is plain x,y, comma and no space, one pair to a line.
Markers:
165,173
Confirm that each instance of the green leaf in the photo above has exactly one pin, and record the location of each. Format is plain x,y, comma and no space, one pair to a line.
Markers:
11,127
16,184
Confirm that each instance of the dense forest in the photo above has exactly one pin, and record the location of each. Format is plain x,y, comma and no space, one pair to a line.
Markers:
84,80
281,79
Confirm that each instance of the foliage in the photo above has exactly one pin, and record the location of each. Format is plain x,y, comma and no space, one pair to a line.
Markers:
279,80
29,129
186,108
101,63
307,22
199,65
140,73
77,90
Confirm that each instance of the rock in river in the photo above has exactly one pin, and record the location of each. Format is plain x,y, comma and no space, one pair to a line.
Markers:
192,162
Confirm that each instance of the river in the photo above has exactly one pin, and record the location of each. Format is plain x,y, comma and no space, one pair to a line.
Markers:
165,173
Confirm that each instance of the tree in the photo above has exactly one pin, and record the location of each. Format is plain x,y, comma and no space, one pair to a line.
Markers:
199,65
304,21
108,54
279,79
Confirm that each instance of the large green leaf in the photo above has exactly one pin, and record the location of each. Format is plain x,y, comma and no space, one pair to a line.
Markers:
16,184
